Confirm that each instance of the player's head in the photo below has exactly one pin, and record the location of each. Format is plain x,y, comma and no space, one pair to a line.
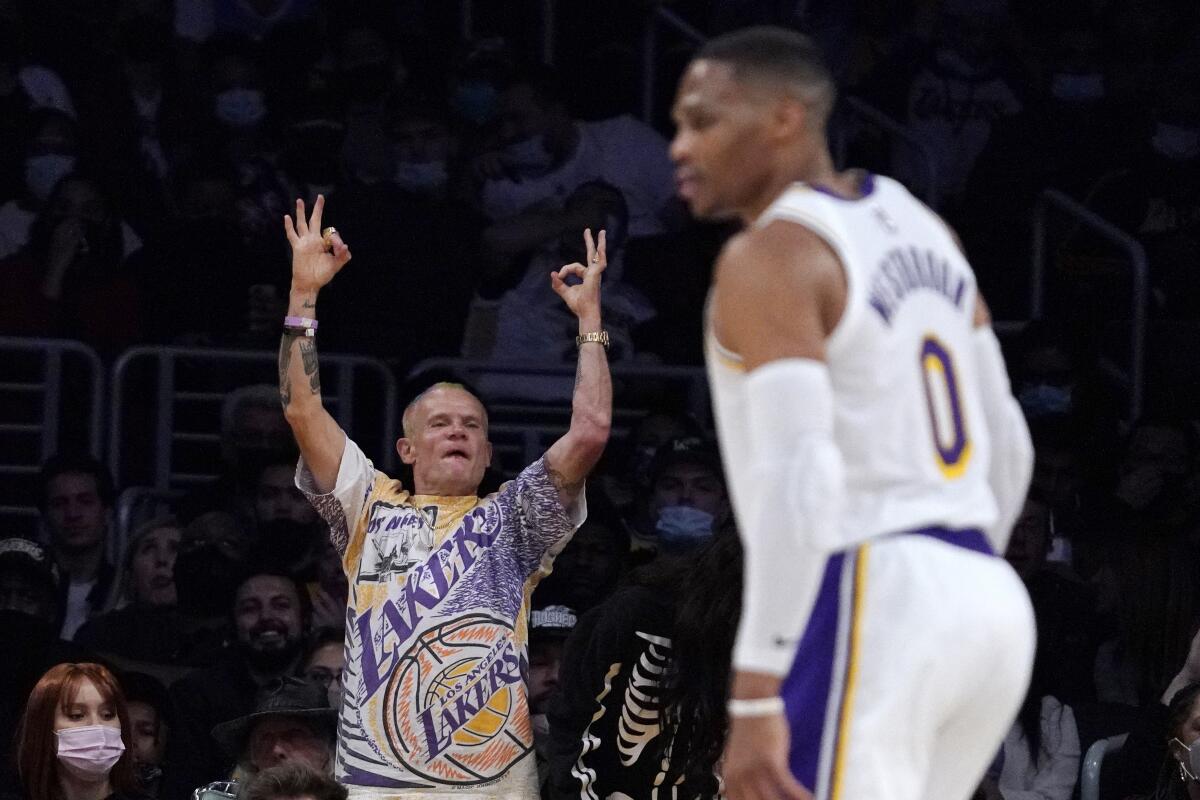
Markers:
751,102
445,440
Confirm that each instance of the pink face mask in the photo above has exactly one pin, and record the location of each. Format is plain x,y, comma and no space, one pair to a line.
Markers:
91,750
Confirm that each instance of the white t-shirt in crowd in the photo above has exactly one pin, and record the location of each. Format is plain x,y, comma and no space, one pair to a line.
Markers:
77,607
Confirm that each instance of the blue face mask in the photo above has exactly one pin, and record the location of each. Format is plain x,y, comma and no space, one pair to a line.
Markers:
683,527
1045,400
475,101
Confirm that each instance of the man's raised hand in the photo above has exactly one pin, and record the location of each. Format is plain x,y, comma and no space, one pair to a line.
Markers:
314,262
583,298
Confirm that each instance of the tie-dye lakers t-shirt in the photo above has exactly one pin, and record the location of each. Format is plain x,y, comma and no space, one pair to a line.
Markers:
436,637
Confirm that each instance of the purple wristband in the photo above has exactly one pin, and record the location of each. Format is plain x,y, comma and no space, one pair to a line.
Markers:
299,322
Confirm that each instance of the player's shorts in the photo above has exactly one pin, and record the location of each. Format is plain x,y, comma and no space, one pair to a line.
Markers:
911,670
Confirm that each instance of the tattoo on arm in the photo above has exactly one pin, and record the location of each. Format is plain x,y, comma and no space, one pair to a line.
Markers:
309,303
285,363
308,352
562,484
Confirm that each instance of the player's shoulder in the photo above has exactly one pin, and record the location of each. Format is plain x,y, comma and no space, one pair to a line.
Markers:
780,251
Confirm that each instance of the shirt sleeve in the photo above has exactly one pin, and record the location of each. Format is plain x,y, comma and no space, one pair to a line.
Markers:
343,507
543,526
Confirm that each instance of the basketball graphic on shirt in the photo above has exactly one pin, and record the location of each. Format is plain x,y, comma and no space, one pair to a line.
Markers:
455,707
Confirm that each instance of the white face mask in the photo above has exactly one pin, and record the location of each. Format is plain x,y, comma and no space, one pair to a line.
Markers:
241,108
1176,142
42,173
1192,768
92,750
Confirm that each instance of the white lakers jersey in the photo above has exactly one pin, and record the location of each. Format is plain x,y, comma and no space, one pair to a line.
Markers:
908,416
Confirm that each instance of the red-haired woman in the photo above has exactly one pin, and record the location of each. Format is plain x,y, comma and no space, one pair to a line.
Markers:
73,740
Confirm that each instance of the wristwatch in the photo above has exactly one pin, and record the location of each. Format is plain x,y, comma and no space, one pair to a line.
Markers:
594,336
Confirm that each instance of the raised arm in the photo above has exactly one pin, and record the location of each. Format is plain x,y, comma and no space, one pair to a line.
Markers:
314,263
571,458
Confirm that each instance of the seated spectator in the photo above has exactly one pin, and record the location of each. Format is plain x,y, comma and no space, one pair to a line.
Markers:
291,723
270,616
1160,743
549,627
544,156
74,279
76,502
324,662
146,626
288,530
644,679
30,619
531,324
150,727
254,434
74,741
686,500
293,782
588,569
1040,756
209,567
51,154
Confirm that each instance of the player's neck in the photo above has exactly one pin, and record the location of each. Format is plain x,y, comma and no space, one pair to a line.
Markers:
815,168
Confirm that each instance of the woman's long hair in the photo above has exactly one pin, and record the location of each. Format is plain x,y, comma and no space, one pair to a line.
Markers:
37,746
707,590
1169,786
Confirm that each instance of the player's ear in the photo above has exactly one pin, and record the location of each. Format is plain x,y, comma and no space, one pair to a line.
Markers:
790,117
406,451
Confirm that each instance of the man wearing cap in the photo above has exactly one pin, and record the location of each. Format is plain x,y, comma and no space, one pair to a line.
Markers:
549,627
686,500
439,578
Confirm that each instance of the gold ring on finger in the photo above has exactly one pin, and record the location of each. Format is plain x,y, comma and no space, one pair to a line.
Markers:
327,235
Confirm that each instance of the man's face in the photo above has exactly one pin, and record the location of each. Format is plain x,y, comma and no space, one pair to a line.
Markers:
283,740
693,485
278,498
75,512
20,591
544,660
259,429
147,734
267,614
448,447
721,134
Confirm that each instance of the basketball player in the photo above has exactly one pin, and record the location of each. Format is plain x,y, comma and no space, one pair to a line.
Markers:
434,693
876,455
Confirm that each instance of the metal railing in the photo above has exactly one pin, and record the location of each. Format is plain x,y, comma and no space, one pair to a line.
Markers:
225,367
656,20
36,377
1052,199
523,428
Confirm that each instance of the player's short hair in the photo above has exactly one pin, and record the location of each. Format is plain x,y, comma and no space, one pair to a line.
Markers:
778,57
406,419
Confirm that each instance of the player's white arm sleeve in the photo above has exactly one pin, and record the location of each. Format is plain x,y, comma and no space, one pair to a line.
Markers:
1011,466
792,505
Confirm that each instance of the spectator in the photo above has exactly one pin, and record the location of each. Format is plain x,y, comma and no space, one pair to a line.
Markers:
209,568
953,92
51,154
74,741
146,625
76,500
439,577
150,727
270,617
30,619
324,663
686,501
293,782
290,723
544,156
588,569
288,530
549,626
644,679
369,71
74,277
